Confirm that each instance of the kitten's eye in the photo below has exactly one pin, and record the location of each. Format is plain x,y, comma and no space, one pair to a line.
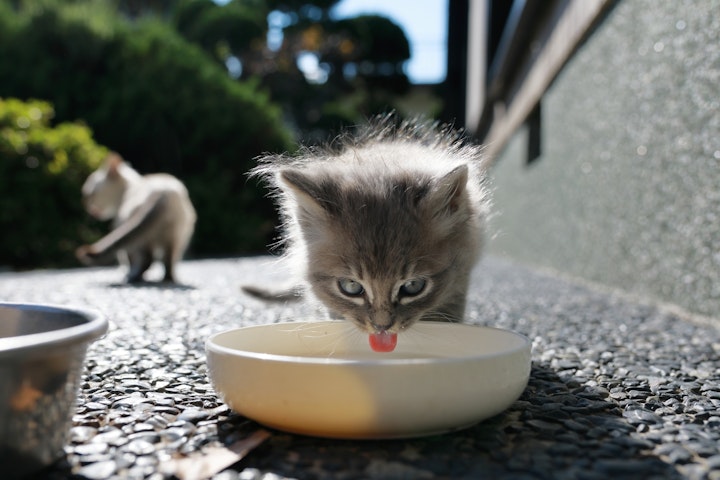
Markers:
350,287
412,287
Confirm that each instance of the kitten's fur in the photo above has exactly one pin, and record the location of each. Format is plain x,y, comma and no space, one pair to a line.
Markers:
153,217
386,230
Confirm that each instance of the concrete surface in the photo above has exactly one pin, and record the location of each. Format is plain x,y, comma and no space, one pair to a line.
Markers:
626,192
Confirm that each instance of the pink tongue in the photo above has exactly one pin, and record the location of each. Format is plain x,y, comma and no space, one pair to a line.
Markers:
383,342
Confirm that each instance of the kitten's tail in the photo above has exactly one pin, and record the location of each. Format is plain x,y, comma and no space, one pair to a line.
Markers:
282,295
140,223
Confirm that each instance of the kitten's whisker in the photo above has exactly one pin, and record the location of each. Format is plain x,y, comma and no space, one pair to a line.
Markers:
341,335
419,336
312,331
308,328
331,346
434,314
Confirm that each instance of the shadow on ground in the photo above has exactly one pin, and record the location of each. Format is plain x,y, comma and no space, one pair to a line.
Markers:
149,284
555,430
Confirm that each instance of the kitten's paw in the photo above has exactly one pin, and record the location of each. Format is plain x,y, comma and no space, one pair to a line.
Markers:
86,254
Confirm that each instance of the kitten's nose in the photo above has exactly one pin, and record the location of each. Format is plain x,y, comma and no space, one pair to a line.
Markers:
382,321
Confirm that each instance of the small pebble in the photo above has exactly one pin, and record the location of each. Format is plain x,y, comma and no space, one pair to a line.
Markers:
98,470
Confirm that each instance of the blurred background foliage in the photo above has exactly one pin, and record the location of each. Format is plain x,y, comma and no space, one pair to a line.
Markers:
190,87
41,167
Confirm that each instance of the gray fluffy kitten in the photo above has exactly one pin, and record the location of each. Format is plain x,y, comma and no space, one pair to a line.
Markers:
385,229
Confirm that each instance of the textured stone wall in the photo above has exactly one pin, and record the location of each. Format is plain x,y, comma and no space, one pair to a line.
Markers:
627,191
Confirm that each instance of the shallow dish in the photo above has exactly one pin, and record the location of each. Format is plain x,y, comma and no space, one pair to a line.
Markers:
42,349
322,378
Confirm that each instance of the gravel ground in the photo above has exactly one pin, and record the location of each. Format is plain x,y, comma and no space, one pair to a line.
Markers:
619,388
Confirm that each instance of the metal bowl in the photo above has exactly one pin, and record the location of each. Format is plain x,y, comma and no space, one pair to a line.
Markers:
42,350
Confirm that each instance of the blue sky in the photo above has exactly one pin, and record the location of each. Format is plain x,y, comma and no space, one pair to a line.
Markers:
424,23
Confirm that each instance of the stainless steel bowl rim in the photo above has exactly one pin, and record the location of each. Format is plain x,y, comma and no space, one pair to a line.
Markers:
15,346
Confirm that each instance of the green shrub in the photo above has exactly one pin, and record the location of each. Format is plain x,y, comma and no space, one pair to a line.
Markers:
221,30
161,102
42,168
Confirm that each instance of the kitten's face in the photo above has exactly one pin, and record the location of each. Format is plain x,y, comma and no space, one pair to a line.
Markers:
390,299
383,255
102,194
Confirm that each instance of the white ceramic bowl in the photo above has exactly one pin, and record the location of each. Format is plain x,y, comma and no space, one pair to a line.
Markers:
322,378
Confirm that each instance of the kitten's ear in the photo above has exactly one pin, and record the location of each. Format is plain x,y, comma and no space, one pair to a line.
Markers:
449,190
113,162
305,189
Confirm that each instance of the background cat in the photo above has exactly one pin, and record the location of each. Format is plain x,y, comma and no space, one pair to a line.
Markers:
153,218
384,227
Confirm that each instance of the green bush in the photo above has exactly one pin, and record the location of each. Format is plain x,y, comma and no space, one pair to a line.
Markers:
221,30
161,102
42,168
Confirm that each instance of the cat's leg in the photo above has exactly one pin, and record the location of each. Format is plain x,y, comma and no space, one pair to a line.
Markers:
139,260
168,260
174,248
453,308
